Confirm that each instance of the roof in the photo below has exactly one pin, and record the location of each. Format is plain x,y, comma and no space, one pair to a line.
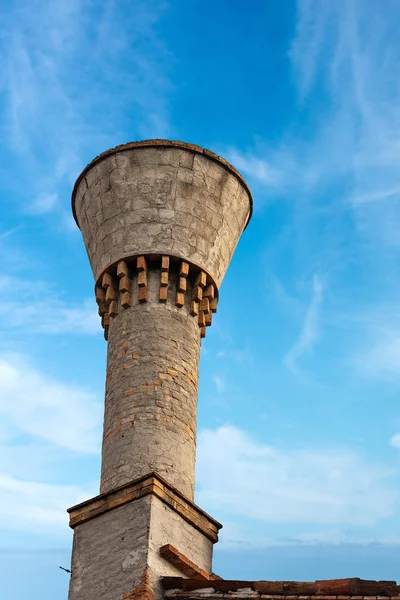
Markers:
334,589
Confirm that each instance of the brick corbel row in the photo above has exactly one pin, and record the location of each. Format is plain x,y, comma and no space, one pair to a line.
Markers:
117,283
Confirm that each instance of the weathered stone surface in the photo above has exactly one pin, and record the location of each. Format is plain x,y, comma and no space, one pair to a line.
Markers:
154,427
110,553
160,221
118,552
149,484
164,200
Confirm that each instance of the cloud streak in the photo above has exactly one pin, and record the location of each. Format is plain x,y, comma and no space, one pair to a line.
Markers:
88,83
39,309
309,333
335,172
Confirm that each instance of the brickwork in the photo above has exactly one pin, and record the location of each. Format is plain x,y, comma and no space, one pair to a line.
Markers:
126,283
151,484
151,392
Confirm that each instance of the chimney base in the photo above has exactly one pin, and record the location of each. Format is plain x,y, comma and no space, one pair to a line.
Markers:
118,537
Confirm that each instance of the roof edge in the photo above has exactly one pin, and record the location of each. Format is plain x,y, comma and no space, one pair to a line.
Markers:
165,144
342,589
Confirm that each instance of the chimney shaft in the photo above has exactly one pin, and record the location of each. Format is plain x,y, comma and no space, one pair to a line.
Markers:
160,221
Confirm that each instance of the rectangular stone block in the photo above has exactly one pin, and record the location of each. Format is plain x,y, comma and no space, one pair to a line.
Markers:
126,300
142,294
113,309
209,292
197,293
107,280
165,263
201,279
141,263
111,294
142,278
100,294
213,305
122,269
184,270
182,284
125,284
205,305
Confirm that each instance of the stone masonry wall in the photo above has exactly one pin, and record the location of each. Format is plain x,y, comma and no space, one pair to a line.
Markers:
161,200
109,555
169,528
151,391
117,555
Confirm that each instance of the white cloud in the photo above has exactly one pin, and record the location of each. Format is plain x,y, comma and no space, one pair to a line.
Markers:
351,54
70,89
310,329
43,204
38,406
382,359
45,423
343,142
239,477
376,350
35,307
256,167
313,22
220,383
395,440
38,507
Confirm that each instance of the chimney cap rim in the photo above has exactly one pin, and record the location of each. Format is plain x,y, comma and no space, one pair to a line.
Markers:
163,144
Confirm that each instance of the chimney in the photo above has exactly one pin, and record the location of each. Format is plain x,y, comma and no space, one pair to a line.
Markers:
160,222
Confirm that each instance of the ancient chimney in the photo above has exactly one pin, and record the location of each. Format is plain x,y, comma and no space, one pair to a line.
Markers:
160,221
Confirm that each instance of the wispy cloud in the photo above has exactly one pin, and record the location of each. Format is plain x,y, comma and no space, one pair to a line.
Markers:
336,170
33,403
43,203
220,383
39,308
309,333
32,506
241,477
73,86
44,422
257,167
395,440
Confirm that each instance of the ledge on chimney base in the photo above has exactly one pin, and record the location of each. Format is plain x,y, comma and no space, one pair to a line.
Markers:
151,484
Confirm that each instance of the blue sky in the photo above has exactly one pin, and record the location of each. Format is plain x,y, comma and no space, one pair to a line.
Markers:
299,419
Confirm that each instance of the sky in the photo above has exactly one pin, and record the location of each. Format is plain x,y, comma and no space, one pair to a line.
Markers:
299,418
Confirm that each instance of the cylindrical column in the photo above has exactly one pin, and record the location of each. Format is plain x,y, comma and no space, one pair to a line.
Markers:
160,221
151,390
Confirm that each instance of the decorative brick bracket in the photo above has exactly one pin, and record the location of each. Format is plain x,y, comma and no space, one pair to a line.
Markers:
117,285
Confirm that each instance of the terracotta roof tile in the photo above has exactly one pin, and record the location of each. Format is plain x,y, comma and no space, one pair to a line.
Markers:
334,589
